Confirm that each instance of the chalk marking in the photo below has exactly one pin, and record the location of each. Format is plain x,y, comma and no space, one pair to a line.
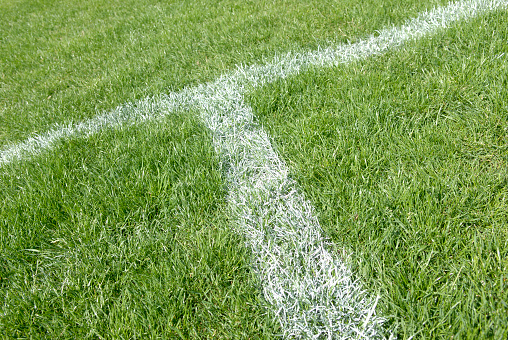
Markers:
253,76
311,292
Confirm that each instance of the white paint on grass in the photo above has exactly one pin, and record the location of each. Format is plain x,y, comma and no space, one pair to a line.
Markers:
310,291
256,75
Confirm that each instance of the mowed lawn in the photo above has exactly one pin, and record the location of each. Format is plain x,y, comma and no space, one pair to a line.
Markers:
63,61
125,234
405,158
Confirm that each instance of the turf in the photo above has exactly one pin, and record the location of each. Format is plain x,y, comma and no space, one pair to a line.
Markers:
405,157
124,235
63,61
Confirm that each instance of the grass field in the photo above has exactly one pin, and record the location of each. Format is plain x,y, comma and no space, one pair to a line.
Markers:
64,61
407,166
125,234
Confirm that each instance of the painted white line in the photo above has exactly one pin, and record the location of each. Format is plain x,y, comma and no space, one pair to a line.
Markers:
255,75
311,292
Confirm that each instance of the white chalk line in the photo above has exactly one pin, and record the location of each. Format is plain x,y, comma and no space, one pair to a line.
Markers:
251,76
311,293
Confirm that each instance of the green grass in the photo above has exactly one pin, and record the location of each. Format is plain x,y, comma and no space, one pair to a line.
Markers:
125,235
405,157
63,61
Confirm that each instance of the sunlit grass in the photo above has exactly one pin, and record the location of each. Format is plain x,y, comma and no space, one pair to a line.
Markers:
64,61
124,235
405,157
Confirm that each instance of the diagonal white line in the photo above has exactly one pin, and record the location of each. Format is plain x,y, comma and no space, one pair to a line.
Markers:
311,292
255,75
